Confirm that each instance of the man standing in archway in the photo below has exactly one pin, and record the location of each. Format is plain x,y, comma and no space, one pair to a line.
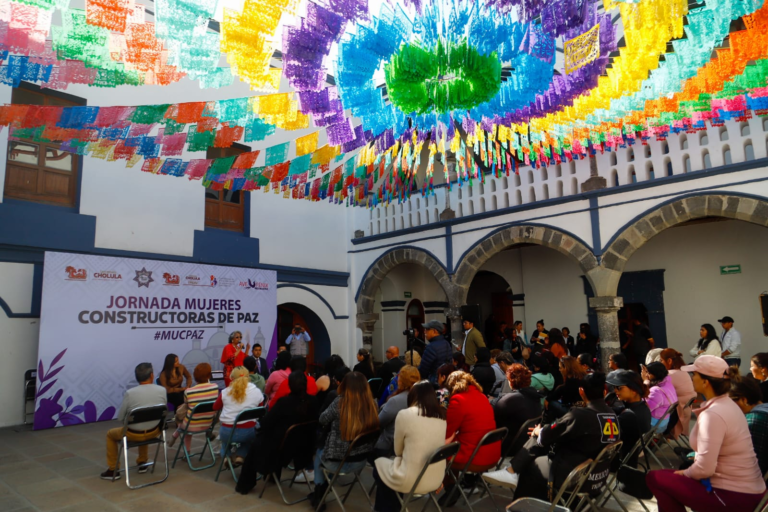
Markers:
298,341
472,341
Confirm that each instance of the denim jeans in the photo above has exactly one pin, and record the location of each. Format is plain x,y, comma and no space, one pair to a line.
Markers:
244,436
332,465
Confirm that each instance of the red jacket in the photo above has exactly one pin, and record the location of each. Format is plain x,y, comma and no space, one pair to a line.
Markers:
470,416
285,390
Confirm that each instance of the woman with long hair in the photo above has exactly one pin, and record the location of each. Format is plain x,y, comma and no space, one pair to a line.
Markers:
280,373
708,344
725,457
241,394
566,394
364,363
172,379
747,395
681,381
204,391
419,431
556,343
662,393
233,354
352,413
406,378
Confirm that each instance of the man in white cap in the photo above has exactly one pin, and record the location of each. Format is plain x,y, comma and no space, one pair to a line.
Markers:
730,342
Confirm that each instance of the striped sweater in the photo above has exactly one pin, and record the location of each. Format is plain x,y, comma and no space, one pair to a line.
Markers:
207,392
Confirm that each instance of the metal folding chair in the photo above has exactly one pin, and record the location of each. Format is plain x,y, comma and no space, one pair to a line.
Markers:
446,452
290,439
154,413
657,431
494,436
574,480
375,385
30,383
245,415
682,440
201,409
331,477
593,484
613,482
522,433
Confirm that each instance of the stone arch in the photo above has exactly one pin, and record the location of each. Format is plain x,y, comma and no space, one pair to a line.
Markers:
677,211
495,242
382,266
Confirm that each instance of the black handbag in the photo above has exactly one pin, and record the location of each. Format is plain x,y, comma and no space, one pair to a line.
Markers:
632,482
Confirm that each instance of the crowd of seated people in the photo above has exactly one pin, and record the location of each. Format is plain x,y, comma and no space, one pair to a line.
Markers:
574,421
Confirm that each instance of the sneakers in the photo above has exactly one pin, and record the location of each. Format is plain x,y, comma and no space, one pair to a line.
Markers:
109,475
503,478
310,475
143,468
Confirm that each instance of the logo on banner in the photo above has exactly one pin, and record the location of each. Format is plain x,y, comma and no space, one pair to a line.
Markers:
192,280
214,282
581,50
75,274
254,285
107,275
143,277
171,279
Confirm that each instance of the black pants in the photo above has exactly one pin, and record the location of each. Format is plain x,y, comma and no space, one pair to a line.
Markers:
176,399
386,498
533,465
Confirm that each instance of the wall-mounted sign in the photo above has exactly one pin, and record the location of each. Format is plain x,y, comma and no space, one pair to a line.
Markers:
407,295
730,269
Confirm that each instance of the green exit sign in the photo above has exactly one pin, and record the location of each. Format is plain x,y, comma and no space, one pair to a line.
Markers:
730,269
407,295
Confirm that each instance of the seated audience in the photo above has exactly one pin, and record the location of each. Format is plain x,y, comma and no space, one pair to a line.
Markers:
437,352
708,344
469,417
459,361
758,366
352,413
618,361
662,393
251,364
634,414
512,342
172,379
279,374
419,431
146,394
553,450
567,394
747,395
521,404
334,389
412,358
586,362
725,474
390,368
325,383
442,392
204,391
586,341
239,396
673,361
556,344
264,456
298,364
503,362
482,371
653,355
364,364
541,378
498,374
396,402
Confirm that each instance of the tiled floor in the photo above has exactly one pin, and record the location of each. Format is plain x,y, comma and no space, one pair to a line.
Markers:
58,470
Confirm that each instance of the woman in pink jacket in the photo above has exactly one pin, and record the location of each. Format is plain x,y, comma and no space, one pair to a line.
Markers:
662,395
724,474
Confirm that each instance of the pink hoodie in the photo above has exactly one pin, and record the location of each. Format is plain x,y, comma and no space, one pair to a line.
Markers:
723,447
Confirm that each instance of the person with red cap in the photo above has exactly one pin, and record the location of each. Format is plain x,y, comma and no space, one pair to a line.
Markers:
724,473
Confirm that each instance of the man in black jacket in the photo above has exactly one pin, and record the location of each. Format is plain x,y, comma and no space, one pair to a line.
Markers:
437,353
482,371
391,367
579,435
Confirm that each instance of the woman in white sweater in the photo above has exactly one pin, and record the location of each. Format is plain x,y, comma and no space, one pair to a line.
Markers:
419,431
708,345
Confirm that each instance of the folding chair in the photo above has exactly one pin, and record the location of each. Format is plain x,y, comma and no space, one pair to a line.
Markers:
292,439
682,440
331,477
245,415
200,409
494,436
653,444
595,480
522,433
613,482
375,385
446,452
575,479
152,413
30,382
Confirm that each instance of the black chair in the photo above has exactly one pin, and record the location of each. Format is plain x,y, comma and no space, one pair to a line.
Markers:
152,413
574,481
245,415
446,452
494,436
292,439
613,482
200,409
331,476
375,385
522,433
30,388
658,432
593,484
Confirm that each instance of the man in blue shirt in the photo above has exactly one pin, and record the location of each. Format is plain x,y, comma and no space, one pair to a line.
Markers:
437,353
298,341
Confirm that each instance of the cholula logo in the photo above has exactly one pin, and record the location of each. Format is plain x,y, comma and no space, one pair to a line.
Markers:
107,275
76,274
143,277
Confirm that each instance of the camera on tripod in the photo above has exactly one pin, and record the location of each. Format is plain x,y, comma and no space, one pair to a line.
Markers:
410,333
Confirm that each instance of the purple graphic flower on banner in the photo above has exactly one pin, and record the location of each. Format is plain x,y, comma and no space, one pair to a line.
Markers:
49,413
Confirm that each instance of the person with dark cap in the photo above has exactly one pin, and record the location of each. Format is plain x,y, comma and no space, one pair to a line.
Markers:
554,450
634,414
437,353
730,341
482,371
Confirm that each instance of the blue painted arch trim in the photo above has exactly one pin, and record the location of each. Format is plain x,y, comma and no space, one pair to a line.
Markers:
521,223
411,247
718,192
313,292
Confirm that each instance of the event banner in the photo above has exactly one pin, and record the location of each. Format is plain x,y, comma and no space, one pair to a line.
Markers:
101,316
